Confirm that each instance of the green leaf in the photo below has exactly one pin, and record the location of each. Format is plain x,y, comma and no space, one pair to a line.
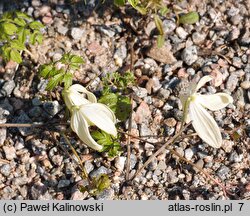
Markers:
17,45
76,59
159,24
189,18
9,28
55,81
164,10
102,137
35,25
19,21
119,2
160,40
39,38
123,108
15,56
21,33
45,70
6,52
110,100
33,38
67,79
22,15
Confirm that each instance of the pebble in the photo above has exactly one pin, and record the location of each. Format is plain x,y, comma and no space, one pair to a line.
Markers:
172,177
10,152
133,161
97,172
223,172
140,92
63,183
235,157
120,163
88,166
189,55
5,170
168,26
107,194
105,30
3,134
232,82
35,112
24,118
77,33
188,153
181,33
152,165
245,85
7,88
52,107
198,38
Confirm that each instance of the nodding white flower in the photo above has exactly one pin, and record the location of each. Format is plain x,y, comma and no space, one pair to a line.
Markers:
194,105
86,113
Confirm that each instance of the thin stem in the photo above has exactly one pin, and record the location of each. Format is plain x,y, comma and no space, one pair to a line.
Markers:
171,141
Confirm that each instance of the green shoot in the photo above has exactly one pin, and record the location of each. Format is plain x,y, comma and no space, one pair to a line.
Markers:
61,71
17,31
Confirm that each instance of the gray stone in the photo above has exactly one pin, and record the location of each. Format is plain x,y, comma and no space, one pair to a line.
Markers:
24,118
106,30
52,107
5,170
41,87
232,82
3,133
168,26
35,112
36,3
172,177
120,163
88,166
181,32
198,38
10,152
77,33
63,183
152,165
236,158
223,172
36,102
18,181
133,161
7,88
140,92
189,153
99,171
107,194
189,55
163,93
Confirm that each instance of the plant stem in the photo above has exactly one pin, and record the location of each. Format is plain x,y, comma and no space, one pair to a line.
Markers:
170,141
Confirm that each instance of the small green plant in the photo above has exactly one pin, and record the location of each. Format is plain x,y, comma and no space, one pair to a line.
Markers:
61,71
110,144
159,8
117,101
17,31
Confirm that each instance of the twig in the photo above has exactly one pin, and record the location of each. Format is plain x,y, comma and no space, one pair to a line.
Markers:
170,141
4,161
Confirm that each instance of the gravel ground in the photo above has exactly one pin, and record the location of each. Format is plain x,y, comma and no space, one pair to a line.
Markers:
33,166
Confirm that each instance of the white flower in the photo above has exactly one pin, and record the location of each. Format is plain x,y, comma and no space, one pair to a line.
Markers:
87,113
194,104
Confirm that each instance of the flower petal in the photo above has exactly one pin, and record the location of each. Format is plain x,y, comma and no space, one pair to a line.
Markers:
101,116
79,88
74,99
80,126
204,124
215,101
202,82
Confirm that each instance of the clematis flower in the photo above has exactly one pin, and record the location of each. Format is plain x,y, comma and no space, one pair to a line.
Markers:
194,105
86,113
